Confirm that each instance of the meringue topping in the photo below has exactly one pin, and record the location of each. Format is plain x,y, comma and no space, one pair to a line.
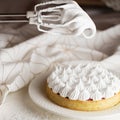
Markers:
84,82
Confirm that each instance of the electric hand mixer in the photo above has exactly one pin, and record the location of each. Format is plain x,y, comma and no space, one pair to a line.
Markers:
59,16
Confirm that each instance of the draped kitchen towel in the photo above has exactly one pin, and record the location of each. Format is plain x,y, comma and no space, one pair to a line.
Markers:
23,62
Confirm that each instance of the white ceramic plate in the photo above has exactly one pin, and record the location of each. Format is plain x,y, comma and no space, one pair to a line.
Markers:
37,93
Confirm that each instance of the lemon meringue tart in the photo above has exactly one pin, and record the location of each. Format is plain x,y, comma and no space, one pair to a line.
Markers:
85,87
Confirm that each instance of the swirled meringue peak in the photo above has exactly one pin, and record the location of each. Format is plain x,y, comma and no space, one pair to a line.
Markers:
84,82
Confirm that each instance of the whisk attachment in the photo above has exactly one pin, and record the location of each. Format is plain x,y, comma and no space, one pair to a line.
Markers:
62,17
47,15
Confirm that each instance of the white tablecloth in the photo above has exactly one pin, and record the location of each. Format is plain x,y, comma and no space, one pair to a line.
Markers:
18,105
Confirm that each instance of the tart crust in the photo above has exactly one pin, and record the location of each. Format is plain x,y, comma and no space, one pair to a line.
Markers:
83,105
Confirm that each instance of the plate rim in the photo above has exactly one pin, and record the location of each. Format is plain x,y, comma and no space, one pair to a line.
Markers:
33,88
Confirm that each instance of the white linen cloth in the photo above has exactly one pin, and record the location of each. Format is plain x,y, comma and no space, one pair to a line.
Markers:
22,62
